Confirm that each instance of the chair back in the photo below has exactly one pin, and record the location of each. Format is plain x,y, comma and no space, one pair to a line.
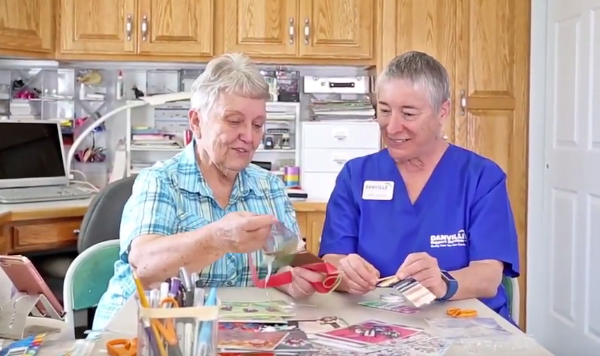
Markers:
87,278
511,286
102,220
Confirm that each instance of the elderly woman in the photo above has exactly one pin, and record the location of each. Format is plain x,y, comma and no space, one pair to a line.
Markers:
421,208
206,208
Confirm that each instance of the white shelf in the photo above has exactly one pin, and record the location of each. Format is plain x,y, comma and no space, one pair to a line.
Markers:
262,150
279,115
156,149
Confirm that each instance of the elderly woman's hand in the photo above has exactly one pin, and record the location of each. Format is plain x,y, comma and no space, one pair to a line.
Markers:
243,232
302,278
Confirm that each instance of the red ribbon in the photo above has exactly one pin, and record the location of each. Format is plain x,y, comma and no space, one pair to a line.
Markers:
325,286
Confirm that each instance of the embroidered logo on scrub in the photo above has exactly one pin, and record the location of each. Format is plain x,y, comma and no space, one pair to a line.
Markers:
458,239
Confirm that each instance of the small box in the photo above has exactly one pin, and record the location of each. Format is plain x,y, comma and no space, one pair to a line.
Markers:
337,85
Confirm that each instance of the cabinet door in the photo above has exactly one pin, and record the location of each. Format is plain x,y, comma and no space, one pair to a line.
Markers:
261,28
427,26
27,26
97,26
314,226
493,72
331,29
176,27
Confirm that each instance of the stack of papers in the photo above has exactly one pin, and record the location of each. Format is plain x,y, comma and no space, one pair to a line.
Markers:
359,109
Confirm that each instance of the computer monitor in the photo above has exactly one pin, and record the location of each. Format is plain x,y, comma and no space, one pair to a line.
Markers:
31,154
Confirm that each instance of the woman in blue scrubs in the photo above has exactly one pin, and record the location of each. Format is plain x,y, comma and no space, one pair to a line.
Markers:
421,207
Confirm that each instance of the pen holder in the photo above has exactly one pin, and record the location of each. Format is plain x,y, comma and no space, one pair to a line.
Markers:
178,331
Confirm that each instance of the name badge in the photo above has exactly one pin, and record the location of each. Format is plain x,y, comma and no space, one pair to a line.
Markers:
376,190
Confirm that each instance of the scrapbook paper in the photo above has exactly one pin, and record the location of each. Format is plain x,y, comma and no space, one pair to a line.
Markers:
321,325
372,332
296,341
396,307
248,340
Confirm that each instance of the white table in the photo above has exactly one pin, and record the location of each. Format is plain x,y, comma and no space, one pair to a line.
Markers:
344,306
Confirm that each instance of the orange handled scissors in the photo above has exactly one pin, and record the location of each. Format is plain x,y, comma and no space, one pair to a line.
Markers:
167,330
122,347
461,313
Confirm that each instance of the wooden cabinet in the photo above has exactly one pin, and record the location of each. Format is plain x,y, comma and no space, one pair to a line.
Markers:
38,235
98,26
151,28
484,45
27,28
311,217
492,83
307,29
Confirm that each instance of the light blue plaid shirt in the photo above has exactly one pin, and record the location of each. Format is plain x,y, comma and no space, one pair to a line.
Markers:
171,198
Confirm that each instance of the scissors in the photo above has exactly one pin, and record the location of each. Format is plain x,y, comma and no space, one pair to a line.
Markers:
167,330
122,347
461,313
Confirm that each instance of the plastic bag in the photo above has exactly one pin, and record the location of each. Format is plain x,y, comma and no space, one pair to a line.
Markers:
282,241
480,335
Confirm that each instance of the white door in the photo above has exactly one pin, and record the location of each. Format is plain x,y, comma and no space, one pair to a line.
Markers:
565,317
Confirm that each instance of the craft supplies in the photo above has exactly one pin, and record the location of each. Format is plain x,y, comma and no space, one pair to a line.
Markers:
411,291
395,307
177,319
391,298
461,313
28,346
331,275
291,176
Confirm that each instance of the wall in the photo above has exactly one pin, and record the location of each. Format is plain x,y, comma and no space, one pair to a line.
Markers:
537,113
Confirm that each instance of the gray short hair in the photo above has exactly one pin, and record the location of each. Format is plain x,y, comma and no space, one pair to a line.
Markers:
231,73
423,70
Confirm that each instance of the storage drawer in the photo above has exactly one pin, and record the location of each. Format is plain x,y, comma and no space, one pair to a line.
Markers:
330,160
341,135
318,186
45,234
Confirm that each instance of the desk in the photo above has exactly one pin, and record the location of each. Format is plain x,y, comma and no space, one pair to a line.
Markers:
336,304
37,227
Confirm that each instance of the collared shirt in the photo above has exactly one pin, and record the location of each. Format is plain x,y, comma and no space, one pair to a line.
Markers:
462,215
171,198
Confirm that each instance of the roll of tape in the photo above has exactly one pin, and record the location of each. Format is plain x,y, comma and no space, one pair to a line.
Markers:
391,298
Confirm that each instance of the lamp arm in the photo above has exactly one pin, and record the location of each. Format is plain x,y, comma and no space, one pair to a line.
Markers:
95,125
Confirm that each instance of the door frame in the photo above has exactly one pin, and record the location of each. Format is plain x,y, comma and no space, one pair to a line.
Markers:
536,230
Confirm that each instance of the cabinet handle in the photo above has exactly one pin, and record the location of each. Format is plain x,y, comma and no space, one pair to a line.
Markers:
128,28
76,232
291,32
463,103
144,28
306,31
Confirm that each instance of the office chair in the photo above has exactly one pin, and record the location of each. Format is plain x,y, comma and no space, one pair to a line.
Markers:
101,222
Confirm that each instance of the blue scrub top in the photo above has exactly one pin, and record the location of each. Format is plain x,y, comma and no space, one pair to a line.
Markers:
463,214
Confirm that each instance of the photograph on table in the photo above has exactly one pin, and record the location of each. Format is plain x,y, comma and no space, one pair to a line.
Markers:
372,332
464,328
250,341
396,307
295,342
319,325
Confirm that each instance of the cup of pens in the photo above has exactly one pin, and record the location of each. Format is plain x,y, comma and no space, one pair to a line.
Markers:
168,326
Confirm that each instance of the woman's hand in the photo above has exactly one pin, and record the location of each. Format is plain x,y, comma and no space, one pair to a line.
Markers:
243,232
425,270
358,275
302,278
